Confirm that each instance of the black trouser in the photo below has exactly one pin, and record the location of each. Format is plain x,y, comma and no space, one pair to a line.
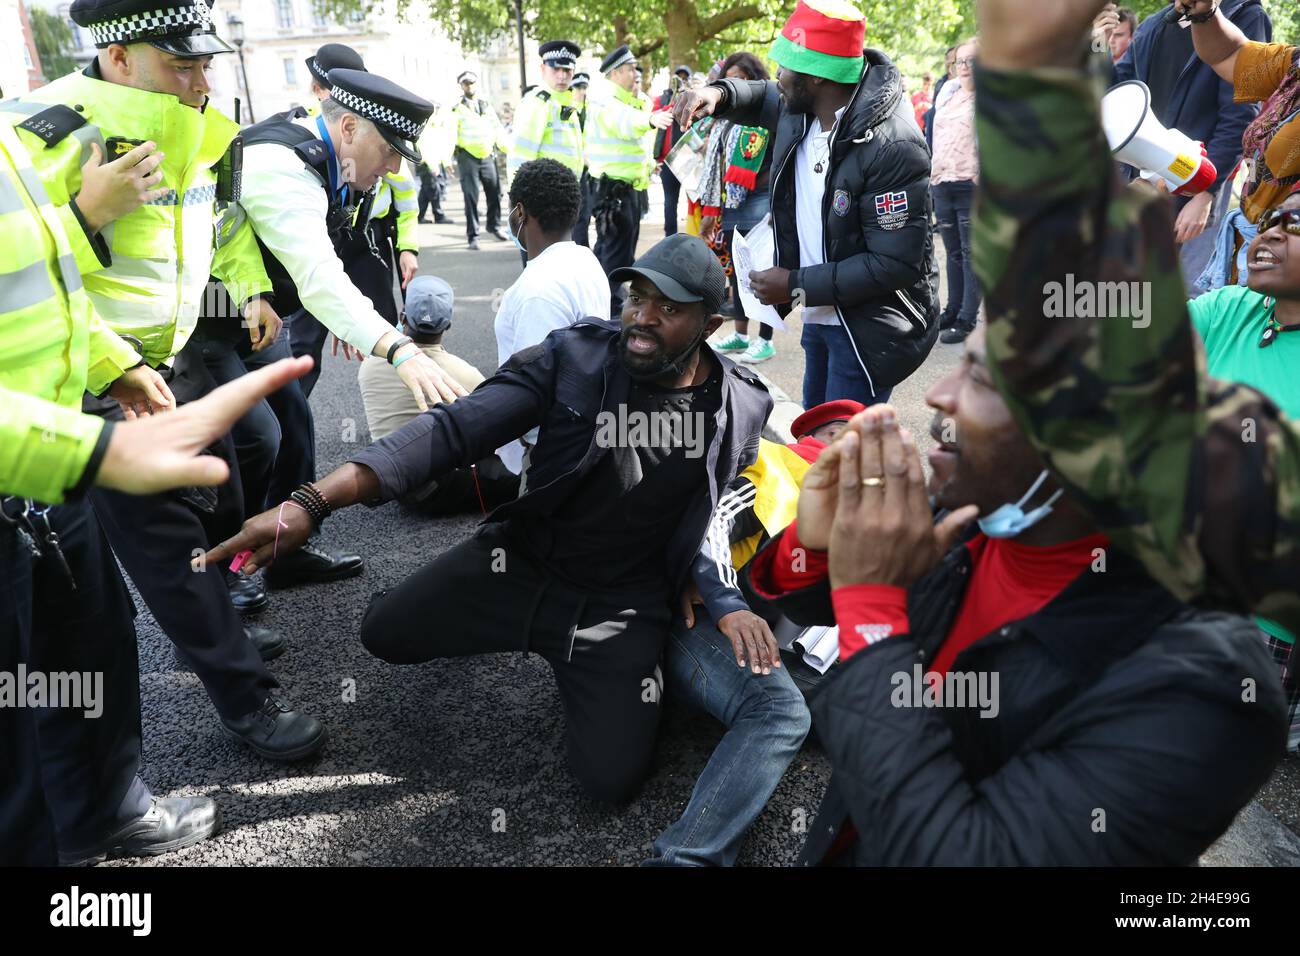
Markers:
582,228
616,238
295,461
485,596
430,192
160,538
257,435
75,778
672,195
472,172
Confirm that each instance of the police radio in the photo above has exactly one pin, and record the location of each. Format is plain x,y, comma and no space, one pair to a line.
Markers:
230,169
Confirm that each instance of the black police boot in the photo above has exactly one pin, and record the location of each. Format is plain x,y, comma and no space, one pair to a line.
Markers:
278,733
248,596
444,220
270,644
947,321
958,333
311,565
169,824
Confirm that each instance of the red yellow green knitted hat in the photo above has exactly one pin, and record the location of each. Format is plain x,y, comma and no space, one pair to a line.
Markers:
823,38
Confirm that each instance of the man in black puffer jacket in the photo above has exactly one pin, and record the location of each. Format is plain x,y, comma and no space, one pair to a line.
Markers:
850,205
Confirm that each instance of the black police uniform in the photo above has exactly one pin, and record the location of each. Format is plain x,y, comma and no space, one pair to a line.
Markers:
68,781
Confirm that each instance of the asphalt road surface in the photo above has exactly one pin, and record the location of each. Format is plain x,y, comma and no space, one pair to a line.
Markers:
462,761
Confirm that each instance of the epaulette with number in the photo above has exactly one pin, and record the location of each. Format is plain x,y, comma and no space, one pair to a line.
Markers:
54,125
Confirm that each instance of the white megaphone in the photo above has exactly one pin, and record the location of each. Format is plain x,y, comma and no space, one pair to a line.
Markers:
1136,137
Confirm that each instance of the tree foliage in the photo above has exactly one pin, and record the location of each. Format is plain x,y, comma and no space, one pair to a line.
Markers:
698,32
53,40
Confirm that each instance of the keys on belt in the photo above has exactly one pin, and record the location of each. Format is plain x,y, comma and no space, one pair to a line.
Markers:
32,525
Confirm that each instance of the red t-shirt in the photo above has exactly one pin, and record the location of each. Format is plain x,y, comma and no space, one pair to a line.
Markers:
1009,581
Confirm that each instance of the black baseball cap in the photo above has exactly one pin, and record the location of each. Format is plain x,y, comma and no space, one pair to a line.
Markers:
682,267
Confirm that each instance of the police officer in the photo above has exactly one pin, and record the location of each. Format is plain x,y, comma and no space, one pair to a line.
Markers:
436,147
148,83
306,182
618,156
546,122
391,228
76,795
582,228
478,132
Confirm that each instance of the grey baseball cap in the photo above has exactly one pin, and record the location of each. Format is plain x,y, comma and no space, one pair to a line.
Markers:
429,303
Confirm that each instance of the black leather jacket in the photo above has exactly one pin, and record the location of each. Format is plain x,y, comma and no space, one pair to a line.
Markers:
880,271
562,385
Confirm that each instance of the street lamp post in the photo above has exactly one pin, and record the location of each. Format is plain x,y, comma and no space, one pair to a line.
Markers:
235,23
523,62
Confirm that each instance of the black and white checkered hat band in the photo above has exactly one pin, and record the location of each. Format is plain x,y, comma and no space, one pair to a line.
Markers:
172,21
379,114
321,74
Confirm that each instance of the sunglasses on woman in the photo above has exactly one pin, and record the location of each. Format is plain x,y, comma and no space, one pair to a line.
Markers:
1288,219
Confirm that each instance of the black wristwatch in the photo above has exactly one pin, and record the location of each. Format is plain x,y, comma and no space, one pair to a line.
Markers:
392,349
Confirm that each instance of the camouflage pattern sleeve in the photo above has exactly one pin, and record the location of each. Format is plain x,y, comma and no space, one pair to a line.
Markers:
1090,344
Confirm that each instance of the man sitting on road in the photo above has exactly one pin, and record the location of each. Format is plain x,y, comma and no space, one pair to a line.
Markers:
389,405
641,426
1072,712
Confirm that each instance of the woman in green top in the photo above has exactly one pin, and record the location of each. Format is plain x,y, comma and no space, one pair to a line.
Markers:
1252,336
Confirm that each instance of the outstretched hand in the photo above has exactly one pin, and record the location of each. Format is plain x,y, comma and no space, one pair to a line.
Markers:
160,452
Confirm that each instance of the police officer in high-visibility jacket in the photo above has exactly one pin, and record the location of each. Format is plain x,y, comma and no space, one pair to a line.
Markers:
72,791
546,122
392,222
148,82
478,133
619,142
71,774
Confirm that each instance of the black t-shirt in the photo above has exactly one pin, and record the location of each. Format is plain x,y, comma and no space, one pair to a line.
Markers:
1172,49
612,533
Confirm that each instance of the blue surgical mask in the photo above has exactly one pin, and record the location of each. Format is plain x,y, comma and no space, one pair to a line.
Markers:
1011,520
511,229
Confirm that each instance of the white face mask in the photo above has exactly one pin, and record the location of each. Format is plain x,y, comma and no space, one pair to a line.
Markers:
1011,520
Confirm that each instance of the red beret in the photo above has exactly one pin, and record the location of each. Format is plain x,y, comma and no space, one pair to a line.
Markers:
841,410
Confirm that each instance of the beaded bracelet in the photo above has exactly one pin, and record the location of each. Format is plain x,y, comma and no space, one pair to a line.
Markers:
310,499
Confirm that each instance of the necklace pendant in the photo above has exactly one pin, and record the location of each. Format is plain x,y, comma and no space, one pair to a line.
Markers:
819,167
1266,340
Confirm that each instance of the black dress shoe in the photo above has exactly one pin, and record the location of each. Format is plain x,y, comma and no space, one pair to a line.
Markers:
311,565
946,322
956,334
248,596
278,733
499,234
444,220
169,824
270,644
424,222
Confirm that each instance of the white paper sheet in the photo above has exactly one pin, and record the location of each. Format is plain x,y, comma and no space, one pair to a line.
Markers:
755,252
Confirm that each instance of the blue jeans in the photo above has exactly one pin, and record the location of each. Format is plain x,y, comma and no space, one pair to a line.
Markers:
831,369
766,720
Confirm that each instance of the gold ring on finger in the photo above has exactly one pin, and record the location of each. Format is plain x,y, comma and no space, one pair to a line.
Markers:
876,482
